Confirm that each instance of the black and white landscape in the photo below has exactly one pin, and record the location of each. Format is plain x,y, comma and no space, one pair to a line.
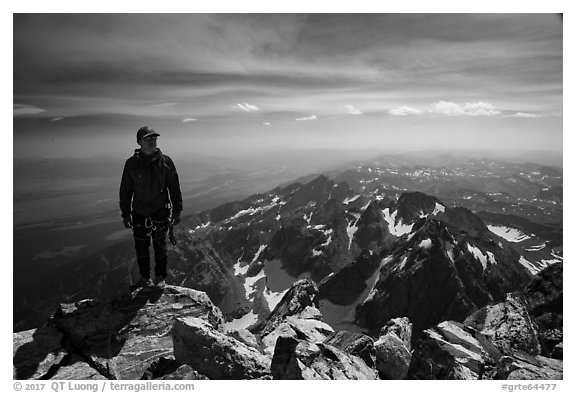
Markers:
365,196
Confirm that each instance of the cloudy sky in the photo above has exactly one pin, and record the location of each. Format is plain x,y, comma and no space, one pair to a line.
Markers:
221,84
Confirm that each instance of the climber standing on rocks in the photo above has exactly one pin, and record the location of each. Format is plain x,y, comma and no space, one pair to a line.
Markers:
150,202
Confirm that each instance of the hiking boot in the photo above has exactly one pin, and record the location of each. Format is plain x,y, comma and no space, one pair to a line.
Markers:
160,281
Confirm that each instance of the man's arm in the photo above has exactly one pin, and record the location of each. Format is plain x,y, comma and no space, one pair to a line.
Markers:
126,192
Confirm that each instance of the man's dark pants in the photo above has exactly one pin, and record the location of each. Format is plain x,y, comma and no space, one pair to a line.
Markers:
153,228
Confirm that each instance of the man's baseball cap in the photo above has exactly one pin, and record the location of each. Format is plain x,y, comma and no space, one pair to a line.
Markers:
146,131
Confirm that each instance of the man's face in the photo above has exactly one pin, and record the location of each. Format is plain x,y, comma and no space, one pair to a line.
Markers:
148,143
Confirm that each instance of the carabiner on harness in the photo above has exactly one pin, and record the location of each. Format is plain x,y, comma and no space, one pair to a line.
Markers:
149,224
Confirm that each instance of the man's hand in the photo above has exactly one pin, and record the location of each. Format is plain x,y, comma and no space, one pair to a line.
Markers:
176,219
127,222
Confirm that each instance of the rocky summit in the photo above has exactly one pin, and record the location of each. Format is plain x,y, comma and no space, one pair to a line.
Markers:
178,333
320,279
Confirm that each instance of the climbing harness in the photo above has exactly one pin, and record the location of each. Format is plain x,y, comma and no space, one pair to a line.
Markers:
152,225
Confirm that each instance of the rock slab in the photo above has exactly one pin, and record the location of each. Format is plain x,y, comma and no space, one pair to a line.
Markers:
215,354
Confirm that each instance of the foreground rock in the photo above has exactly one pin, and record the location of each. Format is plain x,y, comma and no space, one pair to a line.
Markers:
392,349
520,365
356,344
544,298
142,328
304,347
299,359
507,325
114,340
296,316
215,354
177,333
453,351
167,368
301,298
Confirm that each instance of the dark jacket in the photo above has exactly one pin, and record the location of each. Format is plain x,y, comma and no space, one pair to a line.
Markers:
148,183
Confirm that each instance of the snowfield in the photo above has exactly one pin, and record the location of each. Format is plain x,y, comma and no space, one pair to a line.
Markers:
513,235
395,229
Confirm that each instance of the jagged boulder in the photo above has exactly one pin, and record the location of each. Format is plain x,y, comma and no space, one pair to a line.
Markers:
392,357
167,368
558,351
309,329
245,336
453,351
299,359
392,349
215,354
520,365
353,343
299,298
507,325
296,315
401,327
544,298
120,339
35,351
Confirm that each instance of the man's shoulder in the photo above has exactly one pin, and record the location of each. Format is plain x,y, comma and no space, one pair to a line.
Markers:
168,159
130,160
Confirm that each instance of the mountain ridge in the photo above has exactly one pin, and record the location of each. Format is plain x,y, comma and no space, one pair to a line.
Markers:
245,254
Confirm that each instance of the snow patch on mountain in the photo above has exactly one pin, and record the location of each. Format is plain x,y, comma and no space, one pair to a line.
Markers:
352,228
450,254
350,199
528,265
249,283
201,226
365,206
438,209
371,282
536,247
491,258
241,323
273,298
403,263
260,249
480,256
260,209
547,262
395,229
251,211
240,270
425,244
513,235
328,234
